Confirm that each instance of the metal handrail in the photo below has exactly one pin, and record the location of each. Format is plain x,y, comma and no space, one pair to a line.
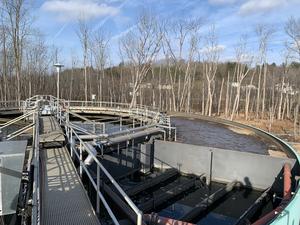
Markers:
19,132
13,121
36,208
148,116
143,111
84,146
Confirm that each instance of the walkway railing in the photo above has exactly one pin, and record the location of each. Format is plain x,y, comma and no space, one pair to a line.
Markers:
35,105
10,105
33,116
20,131
141,112
83,147
36,196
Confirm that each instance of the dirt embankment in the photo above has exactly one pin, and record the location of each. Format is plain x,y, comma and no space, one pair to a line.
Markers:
281,128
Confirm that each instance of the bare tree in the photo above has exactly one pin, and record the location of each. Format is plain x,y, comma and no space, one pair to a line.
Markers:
210,65
4,61
189,74
292,29
99,44
73,62
220,98
18,20
242,68
249,89
141,47
173,50
36,63
83,35
264,33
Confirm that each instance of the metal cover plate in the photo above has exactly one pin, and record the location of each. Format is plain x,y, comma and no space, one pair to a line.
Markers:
12,155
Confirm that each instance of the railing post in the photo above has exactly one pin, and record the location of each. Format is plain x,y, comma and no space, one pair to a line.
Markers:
80,159
59,115
71,141
98,189
170,129
36,189
139,218
121,123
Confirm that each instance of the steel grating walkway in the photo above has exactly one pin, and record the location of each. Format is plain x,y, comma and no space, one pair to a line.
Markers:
51,131
64,200
63,197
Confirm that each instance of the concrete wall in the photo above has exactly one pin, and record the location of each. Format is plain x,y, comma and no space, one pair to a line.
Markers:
257,171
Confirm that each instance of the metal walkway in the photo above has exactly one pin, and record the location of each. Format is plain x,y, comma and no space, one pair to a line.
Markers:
50,130
64,200
58,195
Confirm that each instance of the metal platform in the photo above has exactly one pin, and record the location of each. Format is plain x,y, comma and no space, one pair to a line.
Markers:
64,200
50,130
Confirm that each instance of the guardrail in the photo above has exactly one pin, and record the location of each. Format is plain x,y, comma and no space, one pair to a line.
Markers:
20,131
71,135
36,198
32,115
10,104
290,215
141,112
61,109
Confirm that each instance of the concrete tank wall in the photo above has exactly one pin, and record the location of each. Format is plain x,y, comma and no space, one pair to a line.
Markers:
257,171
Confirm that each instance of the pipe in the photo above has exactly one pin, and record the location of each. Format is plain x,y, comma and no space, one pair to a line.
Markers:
207,202
286,197
248,214
287,181
154,219
89,160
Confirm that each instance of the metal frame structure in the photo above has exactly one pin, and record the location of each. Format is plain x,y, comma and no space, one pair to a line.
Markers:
62,109
146,115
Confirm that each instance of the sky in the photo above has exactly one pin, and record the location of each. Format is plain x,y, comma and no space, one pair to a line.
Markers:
58,21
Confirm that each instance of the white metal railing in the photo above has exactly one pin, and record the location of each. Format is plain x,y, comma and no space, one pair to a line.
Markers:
20,131
36,199
78,153
141,112
62,109
10,105
145,113
33,116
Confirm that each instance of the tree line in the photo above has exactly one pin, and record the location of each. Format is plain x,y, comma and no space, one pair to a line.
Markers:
168,64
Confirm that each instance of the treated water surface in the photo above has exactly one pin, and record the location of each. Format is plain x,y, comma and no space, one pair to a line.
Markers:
211,134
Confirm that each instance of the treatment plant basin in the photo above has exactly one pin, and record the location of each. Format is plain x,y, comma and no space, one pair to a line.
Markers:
136,166
212,134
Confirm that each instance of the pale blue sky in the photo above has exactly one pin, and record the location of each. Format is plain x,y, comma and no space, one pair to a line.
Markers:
57,20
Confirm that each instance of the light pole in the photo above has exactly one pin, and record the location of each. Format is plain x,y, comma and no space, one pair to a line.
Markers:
58,67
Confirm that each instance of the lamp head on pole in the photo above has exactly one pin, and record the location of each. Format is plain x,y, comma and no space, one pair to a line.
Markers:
58,66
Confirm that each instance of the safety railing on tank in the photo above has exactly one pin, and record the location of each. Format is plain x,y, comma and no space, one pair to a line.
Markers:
77,150
4,105
142,112
17,132
33,116
36,193
61,109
